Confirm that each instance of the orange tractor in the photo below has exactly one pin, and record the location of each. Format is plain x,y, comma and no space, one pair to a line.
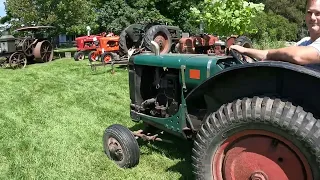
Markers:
108,49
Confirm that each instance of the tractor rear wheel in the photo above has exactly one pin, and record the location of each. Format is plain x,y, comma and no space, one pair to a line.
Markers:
258,138
161,35
125,43
121,146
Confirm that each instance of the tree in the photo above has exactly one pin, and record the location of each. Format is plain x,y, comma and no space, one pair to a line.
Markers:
70,16
292,10
115,15
227,17
179,12
273,27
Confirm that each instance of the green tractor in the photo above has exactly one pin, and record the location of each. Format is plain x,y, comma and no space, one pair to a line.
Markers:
247,119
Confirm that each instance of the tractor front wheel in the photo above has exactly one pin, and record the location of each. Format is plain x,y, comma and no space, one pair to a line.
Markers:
79,56
121,146
258,138
93,56
107,57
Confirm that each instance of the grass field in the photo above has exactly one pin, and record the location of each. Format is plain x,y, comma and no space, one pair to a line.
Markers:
52,118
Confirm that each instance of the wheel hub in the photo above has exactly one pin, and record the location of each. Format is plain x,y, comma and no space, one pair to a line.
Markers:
115,149
107,58
259,155
258,176
162,41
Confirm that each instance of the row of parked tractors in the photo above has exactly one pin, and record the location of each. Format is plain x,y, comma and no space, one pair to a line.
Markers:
16,52
137,38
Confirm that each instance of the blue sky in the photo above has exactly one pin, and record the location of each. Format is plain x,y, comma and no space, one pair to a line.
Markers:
2,11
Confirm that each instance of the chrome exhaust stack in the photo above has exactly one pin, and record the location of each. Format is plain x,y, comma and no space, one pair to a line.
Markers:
155,48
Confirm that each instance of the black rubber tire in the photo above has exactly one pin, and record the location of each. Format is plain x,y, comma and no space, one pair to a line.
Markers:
77,56
123,49
114,56
243,41
256,113
89,57
128,143
152,32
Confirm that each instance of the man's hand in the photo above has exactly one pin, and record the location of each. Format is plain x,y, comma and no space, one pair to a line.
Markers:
240,49
254,53
295,54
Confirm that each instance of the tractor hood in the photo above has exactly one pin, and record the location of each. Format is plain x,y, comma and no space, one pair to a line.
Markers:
87,37
172,60
197,67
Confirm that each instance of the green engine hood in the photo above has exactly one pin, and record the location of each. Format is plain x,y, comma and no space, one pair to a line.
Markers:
167,60
198,67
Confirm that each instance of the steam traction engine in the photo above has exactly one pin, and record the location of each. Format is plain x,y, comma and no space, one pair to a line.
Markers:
17,51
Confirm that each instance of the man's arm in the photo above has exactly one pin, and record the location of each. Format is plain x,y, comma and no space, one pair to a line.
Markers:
296,54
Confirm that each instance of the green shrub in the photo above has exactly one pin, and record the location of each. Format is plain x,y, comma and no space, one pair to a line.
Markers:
274,27
267,43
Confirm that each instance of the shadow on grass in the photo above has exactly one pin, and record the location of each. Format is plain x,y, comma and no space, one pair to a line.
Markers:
178,149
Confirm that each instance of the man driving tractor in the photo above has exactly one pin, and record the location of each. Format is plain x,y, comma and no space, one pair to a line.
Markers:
306,51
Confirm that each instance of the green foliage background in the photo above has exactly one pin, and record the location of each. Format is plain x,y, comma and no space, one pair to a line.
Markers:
279,20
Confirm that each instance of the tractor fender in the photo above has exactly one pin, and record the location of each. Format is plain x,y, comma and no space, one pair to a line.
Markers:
297,84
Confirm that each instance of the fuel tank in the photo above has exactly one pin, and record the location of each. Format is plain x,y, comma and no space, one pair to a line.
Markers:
193,68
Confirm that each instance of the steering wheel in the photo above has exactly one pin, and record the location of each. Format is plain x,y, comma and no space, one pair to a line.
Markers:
241,57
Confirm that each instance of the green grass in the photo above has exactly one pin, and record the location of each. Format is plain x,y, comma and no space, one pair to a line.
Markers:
52,118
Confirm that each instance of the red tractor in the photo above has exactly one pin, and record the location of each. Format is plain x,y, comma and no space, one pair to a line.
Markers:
85,44
108,49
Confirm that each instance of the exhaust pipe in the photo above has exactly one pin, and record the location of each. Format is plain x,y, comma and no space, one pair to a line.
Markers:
155,48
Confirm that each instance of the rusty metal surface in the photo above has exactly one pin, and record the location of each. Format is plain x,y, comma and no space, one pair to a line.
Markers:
115,149
17,60
148,137
163,42
189,44
27,46
43,52
259,155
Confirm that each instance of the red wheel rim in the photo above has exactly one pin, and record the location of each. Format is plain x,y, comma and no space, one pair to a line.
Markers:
107,58
93,57
162,40
259,155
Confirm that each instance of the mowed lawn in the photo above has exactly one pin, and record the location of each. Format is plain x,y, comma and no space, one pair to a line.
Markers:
52,118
